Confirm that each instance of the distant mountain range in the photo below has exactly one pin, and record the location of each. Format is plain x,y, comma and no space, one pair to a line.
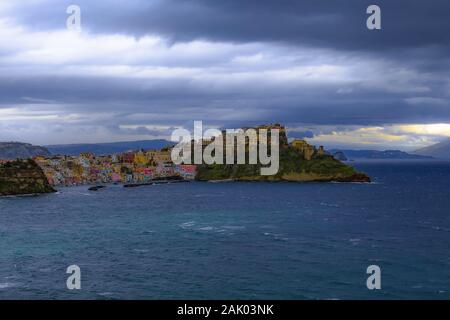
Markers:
376,154
18,150
14,150
439,150
107,148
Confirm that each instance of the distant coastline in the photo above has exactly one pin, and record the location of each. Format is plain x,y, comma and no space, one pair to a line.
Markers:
350,154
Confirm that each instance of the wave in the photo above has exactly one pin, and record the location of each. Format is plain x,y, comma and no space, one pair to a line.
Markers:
276,236
187,225
6,285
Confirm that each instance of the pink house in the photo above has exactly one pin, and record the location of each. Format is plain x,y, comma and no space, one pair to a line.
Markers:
116,177
148,171
189,168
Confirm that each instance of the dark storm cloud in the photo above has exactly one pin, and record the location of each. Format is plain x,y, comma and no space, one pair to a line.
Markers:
331,24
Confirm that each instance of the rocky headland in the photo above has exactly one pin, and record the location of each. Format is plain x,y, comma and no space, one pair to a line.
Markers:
21,177
299,162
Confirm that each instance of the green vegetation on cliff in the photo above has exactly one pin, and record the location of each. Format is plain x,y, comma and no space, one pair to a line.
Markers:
22,177
304,163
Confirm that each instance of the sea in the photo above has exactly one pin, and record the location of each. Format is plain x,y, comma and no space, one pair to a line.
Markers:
204,240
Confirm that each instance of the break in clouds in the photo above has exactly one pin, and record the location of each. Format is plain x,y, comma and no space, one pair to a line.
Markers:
139,69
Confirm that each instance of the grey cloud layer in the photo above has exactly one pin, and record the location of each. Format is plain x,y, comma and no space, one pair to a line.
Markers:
296,62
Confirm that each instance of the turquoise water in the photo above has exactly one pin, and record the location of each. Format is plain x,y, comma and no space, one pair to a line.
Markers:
235,240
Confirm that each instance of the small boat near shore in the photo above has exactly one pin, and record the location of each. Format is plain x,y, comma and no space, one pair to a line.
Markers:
96,188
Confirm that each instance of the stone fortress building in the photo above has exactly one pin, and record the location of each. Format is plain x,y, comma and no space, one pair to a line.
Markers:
306,149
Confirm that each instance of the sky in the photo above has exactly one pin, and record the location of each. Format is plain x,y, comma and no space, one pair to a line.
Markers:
140,69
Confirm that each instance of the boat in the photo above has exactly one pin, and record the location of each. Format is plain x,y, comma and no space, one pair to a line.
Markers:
96,188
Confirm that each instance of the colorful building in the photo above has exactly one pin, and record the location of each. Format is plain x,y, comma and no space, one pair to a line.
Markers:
128,167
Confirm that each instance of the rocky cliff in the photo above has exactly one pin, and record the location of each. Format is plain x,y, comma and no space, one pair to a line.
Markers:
22,177
299,161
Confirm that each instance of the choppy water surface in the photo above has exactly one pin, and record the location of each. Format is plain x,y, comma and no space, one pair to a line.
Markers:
235,240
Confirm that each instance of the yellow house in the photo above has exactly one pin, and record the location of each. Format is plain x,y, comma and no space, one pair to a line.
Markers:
140,159
159,156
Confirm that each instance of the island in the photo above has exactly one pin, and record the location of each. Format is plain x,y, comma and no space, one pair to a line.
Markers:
23,177
299,162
